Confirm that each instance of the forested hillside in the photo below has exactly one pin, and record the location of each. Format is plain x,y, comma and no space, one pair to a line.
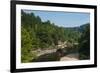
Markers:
39,35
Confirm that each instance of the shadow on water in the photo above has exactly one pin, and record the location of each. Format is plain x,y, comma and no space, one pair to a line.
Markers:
47,57
54,56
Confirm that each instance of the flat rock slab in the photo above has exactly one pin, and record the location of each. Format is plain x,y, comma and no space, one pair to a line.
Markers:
70,57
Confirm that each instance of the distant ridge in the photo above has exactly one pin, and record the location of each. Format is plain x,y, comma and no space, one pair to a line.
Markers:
79,28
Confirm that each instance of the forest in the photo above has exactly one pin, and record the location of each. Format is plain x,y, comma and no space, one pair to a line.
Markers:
39,38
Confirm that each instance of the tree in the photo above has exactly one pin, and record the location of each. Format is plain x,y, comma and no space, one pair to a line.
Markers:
26,45
84,46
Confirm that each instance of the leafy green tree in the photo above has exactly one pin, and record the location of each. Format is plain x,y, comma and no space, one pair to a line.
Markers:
26,45
84,46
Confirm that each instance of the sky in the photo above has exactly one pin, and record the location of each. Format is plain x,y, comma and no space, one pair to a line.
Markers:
62,19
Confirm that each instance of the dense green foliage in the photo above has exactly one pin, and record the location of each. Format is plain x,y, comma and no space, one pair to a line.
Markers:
84,46
36,34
